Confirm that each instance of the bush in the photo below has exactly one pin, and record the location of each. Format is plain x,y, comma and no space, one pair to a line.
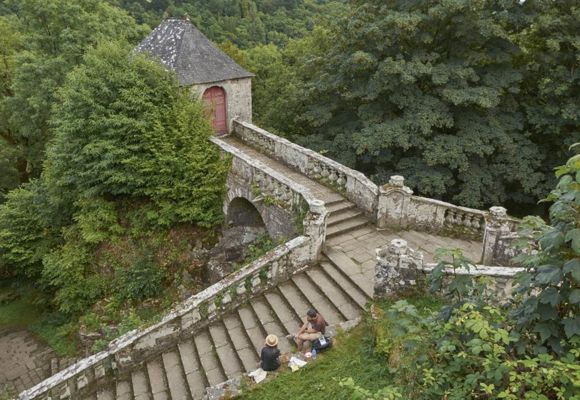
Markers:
25,234
142,280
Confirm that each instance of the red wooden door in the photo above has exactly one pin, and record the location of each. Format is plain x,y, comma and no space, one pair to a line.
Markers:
214,99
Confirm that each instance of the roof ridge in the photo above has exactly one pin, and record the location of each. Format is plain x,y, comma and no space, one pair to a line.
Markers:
182,47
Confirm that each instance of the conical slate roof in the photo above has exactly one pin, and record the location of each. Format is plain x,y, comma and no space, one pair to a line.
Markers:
180,46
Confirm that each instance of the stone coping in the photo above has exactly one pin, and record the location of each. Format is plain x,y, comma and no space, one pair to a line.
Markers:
179,311
358,181
316,205
449,205
311,153
477,270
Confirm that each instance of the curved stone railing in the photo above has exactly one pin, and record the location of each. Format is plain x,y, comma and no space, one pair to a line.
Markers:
354,185
445,218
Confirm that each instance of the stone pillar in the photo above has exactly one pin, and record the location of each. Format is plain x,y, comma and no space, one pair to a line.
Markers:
496,225
398,268
315,228
393,202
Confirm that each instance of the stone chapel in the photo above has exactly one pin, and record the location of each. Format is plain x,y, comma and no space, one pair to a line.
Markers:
224,86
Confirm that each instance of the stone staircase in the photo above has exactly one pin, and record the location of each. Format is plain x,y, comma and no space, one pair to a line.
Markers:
338,287
231,346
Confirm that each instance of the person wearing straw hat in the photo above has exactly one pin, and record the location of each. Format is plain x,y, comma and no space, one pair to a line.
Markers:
270,355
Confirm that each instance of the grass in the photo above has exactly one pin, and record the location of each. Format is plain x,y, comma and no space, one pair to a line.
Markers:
17,308
351,356
20,308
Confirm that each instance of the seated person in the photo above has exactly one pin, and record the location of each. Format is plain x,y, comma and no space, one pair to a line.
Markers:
314,326
269,357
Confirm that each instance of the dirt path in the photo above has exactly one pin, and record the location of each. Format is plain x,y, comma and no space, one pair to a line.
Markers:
24,360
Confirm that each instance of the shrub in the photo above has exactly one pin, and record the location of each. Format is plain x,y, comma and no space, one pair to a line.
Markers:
141,280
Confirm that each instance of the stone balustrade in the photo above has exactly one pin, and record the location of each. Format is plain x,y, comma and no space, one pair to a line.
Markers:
354,185
398,208
399,268
193,314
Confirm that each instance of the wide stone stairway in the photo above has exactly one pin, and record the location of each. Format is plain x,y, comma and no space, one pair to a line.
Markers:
339,287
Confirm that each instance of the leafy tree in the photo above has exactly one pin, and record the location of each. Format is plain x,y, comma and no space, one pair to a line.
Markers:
549,316
426,89
123,128
26,232
53,36
550,93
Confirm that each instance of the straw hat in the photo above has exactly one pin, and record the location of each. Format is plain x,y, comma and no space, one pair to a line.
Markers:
272,340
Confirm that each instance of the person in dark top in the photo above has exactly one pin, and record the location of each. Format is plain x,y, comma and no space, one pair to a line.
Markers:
313,327
270,356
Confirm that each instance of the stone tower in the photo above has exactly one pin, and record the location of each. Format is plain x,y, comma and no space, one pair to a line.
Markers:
225,86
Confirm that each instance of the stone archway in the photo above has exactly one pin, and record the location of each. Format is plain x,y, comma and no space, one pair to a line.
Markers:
241,212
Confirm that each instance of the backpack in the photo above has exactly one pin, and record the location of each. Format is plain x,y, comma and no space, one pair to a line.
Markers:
322,343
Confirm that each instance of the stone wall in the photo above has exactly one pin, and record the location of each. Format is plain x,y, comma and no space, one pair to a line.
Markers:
286,207
238,98
399,268
350,183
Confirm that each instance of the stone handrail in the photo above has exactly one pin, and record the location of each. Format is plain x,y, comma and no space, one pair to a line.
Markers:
195,313
354,185
399,268
478,270
446,218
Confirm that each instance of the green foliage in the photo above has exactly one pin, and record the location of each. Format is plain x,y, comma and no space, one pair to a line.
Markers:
258,248
26,233
58,332
145,138
460,108
468,355
51,38
386,393
548,313
245,23
98,221
68,270
141,280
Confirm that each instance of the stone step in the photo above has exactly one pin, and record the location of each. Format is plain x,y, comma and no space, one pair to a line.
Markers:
346,226
252,327
295,298
124,390
140,382
332,198
347,308
157,380
209,359
340,206
316,297
175,376
350,269
283,311
105,393
271,324
342,216
192,367
225,351
241,342
352,290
